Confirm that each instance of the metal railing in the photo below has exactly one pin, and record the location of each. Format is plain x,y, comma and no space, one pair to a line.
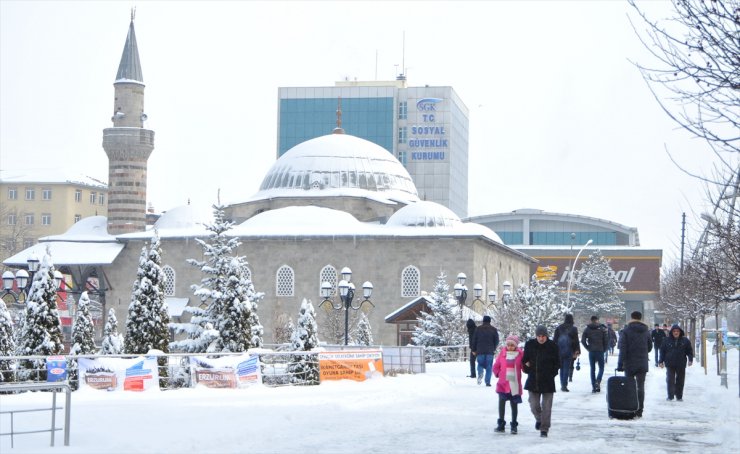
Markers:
54,387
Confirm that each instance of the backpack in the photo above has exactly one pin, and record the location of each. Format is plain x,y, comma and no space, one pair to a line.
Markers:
566,350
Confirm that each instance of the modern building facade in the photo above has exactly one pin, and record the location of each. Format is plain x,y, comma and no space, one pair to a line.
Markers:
425,128
555,239
37,204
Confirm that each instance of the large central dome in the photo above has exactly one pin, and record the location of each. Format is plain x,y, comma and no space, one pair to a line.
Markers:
340,164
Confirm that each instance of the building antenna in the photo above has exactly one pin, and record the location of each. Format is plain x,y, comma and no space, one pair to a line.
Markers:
403,54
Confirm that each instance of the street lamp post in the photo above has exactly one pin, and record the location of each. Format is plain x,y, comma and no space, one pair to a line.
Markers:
461,293
573,269
506,294
346,295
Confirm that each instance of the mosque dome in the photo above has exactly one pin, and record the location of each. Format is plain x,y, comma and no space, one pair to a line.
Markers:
338,164
424,214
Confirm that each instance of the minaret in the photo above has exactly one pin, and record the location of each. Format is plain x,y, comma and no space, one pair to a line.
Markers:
128,145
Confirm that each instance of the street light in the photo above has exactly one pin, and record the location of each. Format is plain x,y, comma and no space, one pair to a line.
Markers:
461,293
23,280
573,269
506,294
346,295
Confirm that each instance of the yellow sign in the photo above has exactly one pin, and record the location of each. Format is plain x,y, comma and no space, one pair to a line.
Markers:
547,273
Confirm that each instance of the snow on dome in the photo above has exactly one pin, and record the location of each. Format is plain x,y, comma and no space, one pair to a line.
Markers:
89,229
184,217
301,220
424,214
338,161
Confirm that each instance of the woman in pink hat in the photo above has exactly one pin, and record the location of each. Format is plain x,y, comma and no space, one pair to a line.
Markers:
508,370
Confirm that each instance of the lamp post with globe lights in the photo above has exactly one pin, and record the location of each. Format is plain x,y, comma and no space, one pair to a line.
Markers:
346,295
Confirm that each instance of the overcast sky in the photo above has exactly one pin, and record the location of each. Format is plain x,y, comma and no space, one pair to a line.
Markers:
560,120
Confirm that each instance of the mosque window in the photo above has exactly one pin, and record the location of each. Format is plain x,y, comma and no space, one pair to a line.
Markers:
285,281
410,282
169,284
328,274
247,273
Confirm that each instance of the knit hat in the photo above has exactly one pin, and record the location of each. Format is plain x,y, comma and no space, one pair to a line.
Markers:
540,331
514,338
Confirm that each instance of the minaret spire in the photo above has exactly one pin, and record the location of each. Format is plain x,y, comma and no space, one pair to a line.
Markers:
127,144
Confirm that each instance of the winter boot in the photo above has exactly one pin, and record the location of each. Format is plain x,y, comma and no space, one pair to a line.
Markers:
598,386
501,426
513,427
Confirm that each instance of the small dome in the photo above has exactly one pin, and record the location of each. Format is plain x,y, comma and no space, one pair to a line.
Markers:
184,217
338,161
424,214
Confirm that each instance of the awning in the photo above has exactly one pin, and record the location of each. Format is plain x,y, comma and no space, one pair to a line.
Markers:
69,253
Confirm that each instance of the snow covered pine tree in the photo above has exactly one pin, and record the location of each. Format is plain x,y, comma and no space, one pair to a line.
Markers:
304,369
82,337
112,339
7,343
442,326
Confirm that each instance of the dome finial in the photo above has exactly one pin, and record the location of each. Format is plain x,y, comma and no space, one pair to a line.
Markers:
133,13
338,129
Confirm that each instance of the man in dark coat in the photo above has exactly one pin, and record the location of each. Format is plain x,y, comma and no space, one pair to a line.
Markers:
674,352
471,332
596,340
566,338
540,362
634,346
485,341
612,341
657,335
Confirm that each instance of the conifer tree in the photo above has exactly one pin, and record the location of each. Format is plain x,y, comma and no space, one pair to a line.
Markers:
112,339
364,331
229,292
82,336
596,288
442,325
7,342
147,326
41,333
539,303
304,369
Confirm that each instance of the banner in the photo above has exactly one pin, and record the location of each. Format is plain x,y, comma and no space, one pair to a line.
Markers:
56,368
226,372
116,374
358,365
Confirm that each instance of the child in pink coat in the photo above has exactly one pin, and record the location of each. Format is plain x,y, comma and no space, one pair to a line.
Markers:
508,369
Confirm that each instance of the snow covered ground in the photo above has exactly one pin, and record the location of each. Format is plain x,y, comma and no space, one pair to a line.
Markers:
441,411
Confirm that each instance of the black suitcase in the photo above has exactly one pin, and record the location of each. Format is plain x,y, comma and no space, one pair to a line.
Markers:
621,397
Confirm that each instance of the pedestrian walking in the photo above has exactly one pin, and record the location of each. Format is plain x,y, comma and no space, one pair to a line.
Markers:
485,341
470,325
634,346
566,338
595,340
540,362
612,341
657,335
674,352
508,369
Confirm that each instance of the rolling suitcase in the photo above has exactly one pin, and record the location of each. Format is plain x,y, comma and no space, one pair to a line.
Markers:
621,397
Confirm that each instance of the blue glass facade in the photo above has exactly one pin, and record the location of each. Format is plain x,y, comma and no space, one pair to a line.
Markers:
306,118
563,238
511,237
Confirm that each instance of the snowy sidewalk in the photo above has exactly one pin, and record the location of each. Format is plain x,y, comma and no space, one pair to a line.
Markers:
441,411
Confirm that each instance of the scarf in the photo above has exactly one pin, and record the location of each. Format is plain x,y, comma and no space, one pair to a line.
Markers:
511,372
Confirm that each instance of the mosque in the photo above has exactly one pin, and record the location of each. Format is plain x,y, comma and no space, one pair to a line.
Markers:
328,203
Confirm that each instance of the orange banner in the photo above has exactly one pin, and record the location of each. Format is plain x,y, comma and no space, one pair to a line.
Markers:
358,365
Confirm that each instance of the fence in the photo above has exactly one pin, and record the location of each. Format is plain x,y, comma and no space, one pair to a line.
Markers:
19,387
175,370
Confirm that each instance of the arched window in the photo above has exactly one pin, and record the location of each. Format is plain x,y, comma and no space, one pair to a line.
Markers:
410,282
248,273
328,274
284,281
169,284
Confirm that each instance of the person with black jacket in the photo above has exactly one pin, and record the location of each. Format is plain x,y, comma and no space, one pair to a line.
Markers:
470,325
596,341
634,346
657,335
566,338
485,341
674,352
541,362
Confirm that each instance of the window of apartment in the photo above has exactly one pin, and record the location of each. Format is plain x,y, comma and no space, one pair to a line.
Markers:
402,134
78,195
46,194
28,242
78,217
93,196
29,218
30,193
101,198
403,110
12,193
12,219
403,158
46,219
